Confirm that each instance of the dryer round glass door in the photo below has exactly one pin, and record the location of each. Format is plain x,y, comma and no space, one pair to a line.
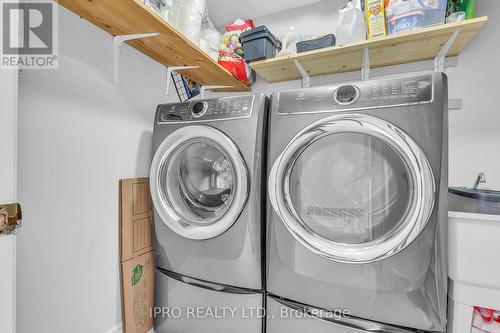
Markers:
353,188
199,182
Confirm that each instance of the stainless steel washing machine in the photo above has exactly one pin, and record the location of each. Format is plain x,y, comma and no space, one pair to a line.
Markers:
207,189
357,215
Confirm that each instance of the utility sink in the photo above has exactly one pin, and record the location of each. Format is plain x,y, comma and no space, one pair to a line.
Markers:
474,200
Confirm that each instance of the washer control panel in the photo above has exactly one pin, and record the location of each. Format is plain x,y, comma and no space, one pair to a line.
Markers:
381,93
209,109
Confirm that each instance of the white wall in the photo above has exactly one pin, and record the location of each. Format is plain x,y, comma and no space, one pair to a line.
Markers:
474,130
78,134
8,169
223,12
8,134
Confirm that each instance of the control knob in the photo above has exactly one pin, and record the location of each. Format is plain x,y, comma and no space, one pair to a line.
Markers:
199,109
346,94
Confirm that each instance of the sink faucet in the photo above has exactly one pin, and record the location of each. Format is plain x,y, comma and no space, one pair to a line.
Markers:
481,179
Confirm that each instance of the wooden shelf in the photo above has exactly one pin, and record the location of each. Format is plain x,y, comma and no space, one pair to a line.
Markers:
417,45
171,48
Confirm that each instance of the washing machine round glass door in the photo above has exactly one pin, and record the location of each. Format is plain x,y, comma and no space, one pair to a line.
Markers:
199,182
353,188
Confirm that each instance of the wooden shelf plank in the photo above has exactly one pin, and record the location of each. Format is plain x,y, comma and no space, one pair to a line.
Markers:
171,48
417,45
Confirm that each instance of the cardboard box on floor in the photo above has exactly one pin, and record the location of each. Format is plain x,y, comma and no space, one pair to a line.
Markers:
136,255
138,293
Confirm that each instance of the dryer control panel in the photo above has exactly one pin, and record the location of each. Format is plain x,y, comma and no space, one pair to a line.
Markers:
380,93
206,110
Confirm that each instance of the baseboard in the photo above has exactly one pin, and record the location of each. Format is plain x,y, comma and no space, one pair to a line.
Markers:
119,329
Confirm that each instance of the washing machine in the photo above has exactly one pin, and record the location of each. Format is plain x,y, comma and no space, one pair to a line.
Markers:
207,190
357,214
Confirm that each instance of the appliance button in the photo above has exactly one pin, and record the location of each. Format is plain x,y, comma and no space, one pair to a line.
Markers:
345,95
199,109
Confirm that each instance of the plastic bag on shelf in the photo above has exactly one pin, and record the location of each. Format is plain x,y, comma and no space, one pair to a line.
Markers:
486,320
187,16
198,5
210,37
167,12
155,5
289,42
231,55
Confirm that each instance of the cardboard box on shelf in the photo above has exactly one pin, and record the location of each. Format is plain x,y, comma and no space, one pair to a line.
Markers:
375,18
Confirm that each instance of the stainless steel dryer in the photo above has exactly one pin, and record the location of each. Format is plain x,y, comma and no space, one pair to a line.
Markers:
357,214
206,187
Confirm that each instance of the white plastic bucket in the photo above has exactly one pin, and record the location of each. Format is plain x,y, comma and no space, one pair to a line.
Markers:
474,271
474,248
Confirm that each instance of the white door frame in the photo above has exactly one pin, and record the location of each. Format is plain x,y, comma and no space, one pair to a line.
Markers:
8,194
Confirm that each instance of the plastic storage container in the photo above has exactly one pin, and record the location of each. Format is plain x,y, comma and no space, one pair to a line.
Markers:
259,43
412,14
473,234
314,44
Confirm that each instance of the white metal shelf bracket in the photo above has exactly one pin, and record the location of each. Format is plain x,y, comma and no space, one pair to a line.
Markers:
365,66
203,89
306,78
169,74
441,56
117,43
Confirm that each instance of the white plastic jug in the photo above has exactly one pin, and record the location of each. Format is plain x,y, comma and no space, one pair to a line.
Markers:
352,25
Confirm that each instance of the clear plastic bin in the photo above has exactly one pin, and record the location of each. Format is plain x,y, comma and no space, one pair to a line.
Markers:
413,14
